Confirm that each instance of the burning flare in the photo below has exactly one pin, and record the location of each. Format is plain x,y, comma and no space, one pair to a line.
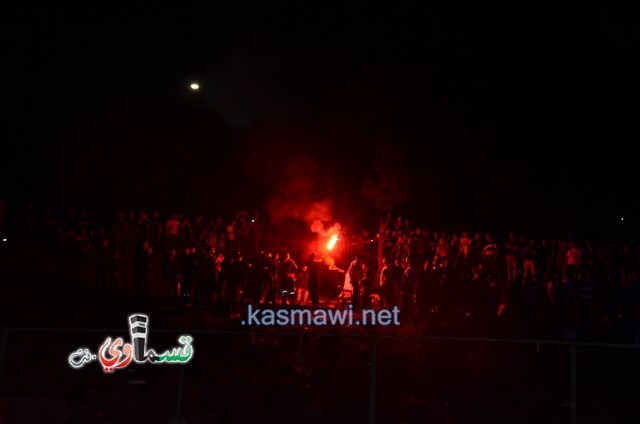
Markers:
332,242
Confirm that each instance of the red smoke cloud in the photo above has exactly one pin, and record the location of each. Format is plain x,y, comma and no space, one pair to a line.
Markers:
298,194
299,207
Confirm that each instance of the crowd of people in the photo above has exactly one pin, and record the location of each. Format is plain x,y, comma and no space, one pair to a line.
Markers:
554,283
225,260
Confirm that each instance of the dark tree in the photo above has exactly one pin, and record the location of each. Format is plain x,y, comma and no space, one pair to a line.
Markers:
388,189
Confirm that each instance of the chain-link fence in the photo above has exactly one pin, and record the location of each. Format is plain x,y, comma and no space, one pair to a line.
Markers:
320,377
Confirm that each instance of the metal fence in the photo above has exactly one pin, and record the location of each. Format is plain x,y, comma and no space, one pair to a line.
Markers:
240,376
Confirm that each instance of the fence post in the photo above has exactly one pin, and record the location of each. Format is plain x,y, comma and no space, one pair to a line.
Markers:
179,399
374,370
574,388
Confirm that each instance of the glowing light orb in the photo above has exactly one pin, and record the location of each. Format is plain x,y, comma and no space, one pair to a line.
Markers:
332,242
195,86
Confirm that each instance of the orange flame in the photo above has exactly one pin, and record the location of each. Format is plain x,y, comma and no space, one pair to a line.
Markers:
332,242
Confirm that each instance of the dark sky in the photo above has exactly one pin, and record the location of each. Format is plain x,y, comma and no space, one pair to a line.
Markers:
501,112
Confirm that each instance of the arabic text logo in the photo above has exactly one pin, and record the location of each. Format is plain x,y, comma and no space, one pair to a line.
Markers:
117,354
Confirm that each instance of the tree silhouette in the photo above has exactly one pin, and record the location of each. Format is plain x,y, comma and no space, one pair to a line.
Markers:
388,189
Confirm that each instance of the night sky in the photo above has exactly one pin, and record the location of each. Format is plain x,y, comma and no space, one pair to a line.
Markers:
518,117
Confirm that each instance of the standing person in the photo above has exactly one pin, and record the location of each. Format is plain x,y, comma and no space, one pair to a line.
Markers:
561,256
142,229
235,276
314,279
219,276
287,271
367,284
210,236
465,246
476,250
390,280
419,252
501,290
442,260
355,275
409,287
189,265
490,254
302,286
424,295
435,276
172,230
242,233
385,284
401,249
529,260
465,263
268,274
243,277
574,257
231,242
396,282
454,253
512,251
